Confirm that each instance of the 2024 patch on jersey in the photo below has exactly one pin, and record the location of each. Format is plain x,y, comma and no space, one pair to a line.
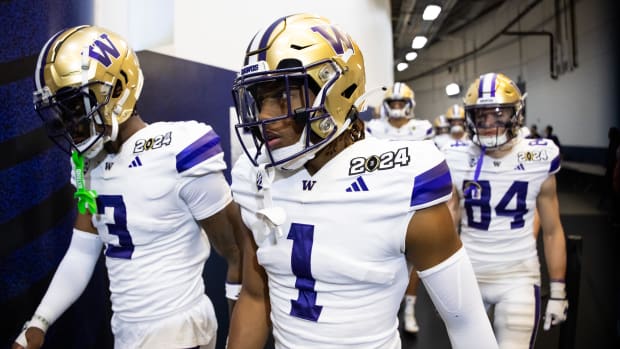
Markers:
335,264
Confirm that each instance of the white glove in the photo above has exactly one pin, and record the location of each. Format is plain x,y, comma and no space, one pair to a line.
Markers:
557,306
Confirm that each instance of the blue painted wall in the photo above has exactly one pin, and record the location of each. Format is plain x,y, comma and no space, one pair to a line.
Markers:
36,207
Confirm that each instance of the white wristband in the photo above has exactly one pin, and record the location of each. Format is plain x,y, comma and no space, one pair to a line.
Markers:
557,290
232,291
39,321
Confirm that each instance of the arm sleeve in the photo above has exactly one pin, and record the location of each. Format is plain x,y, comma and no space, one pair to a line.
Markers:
452,286
72,275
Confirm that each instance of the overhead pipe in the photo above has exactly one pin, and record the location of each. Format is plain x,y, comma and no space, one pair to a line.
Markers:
470,53
573,32
553,73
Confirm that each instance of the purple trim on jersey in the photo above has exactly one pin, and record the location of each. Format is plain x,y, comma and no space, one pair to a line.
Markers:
536,315
202,149
431,185
265,39
429,131
555,164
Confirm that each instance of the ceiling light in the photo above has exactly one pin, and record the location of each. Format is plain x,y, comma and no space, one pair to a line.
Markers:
410,56
431,12
453,89
402,66
418,42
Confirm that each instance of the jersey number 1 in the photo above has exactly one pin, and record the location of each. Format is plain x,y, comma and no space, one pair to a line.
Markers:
304,306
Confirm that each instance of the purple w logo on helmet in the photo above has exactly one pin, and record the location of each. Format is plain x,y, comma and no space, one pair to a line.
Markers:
339,41
105,50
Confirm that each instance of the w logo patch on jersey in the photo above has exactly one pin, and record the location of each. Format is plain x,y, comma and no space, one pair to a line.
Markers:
358,185
307,185
136,162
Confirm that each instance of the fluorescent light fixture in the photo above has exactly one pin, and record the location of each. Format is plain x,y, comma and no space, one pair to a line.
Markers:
402,66
418,42
431,12
453,89
410,56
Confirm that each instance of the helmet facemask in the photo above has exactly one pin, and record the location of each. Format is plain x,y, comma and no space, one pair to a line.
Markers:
73,118
399,108
481,120
280,85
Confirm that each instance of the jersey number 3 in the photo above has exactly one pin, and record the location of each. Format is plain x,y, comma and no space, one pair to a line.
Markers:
482,202
304,306
119,227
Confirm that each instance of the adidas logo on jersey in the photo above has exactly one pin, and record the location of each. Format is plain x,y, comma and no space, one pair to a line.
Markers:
135,162
520,167
358,185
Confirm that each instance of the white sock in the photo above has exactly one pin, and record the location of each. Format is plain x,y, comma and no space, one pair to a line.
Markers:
410,301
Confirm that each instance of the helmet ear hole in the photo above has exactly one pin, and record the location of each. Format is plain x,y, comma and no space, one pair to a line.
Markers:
349,91
118,89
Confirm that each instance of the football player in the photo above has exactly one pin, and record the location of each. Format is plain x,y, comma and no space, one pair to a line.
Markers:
142,201
334,217
456,118
398,123
397,119
442,131
500,181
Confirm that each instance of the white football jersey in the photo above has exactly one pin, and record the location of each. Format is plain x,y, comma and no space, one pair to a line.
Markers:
442,139
333,244
414,130
497,211
155,250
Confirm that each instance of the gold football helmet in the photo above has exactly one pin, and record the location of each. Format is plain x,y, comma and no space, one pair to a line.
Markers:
310,53
493,107
398,102
456,117
455,112
441,125
87,79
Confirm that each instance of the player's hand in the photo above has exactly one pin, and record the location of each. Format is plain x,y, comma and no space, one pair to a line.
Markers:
557,306
30,338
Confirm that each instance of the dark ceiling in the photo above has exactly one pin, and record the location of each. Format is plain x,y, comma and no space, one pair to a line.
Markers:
455,14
